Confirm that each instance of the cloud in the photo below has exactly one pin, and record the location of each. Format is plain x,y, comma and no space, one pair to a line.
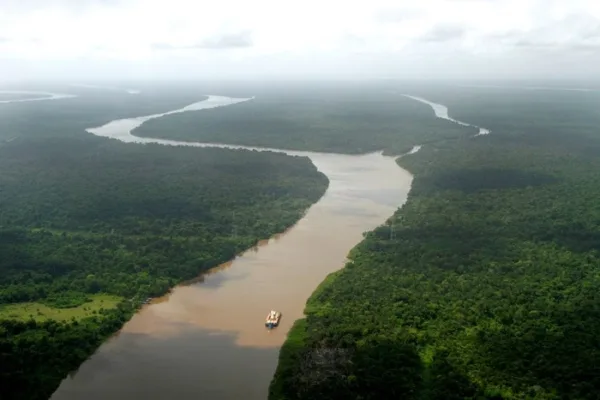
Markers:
27,5
573,32
444,33
217,42
230,41
396,14
541,45
271,36
166,46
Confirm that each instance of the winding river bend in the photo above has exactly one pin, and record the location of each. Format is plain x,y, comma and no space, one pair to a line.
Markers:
441,111
35,96
207,340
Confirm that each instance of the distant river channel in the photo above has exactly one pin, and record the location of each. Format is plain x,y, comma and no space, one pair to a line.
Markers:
207,340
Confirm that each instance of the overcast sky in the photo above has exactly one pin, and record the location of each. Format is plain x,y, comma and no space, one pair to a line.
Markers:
105,39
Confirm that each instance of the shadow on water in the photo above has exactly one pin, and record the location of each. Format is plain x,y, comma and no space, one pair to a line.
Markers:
213,278
113,371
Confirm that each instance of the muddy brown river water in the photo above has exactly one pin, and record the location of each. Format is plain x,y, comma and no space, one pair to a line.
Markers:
207,339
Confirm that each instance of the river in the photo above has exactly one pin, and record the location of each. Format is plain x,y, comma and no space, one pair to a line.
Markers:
441,111
36,96
206,339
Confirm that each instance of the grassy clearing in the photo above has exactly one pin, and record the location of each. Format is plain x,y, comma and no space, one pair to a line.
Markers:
41,312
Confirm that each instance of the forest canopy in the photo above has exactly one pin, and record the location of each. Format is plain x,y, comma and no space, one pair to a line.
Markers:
351,121
488,287
91,227
484,285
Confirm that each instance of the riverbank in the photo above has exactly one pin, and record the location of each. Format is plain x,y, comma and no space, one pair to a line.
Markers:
89,216
225,310
356,123
478,287
222,310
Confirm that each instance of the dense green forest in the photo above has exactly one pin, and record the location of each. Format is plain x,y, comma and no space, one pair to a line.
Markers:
91,227
350,121
488,285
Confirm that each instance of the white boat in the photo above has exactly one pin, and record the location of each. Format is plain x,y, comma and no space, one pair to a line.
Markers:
273,319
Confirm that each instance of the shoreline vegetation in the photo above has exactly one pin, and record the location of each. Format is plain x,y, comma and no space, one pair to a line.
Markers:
484,285
357,124
90,228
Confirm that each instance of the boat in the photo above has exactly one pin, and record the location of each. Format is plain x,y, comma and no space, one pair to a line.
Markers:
273,319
